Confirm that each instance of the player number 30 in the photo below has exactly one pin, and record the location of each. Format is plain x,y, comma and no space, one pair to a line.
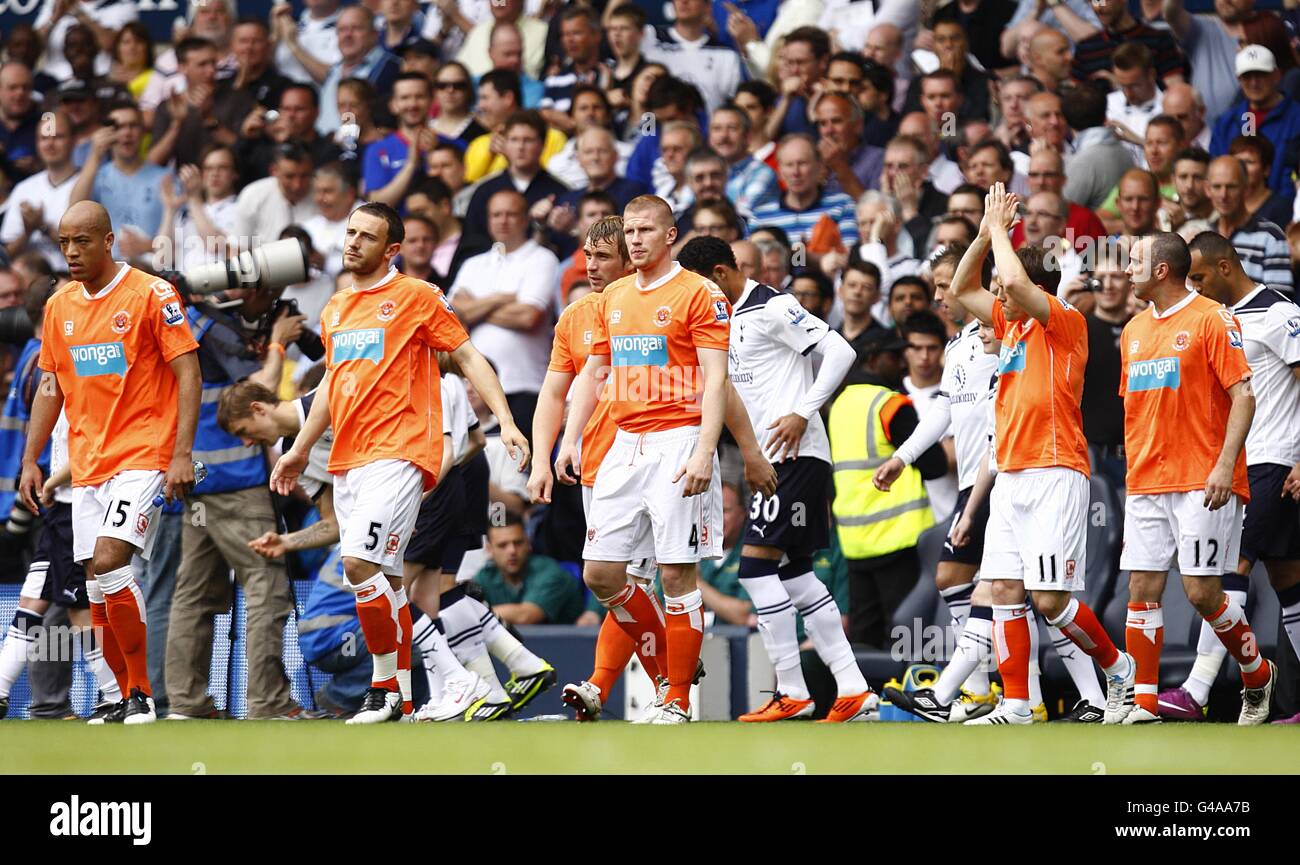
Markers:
766,508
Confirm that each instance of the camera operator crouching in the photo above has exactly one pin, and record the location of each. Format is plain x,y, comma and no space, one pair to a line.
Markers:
232,505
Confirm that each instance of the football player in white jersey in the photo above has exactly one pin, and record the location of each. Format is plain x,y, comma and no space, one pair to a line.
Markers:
770,363
1270,327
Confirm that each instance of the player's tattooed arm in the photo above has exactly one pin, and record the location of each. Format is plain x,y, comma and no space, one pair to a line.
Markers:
46,406
322,533
1218,487
291,463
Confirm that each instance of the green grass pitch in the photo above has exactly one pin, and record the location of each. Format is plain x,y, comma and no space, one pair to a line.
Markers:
610,747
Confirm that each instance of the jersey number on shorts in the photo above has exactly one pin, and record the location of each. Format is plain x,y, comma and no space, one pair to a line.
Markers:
1210,562
373,534
767,508
118,513
695,537
1046,563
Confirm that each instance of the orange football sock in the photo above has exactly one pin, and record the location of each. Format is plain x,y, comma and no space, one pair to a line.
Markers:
377,610
639,616
1236,635
685,630
1080,624
614,649
1144,635
108,643
126,617
1011,641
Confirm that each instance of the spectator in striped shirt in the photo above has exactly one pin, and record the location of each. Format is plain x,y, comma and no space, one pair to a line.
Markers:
580,35
806,200
749,181
1261,245
1093,49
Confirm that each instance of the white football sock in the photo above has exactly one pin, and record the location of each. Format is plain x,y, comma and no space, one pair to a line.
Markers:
821,618
94,657
776,624
974,650
481,663
18,641
1290,599
1082,670
503,645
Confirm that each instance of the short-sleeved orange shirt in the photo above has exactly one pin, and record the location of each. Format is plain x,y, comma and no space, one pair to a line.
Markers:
384,389
1040,385
574,335
1176,373
110,354
650,335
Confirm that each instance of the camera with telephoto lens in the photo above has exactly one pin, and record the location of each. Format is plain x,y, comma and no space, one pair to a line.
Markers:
1091,283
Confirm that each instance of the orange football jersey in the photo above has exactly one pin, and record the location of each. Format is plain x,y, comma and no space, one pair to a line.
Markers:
650,335
574,334
1040,385
1176,373
384,389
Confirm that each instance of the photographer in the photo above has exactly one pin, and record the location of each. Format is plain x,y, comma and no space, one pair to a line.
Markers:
233,505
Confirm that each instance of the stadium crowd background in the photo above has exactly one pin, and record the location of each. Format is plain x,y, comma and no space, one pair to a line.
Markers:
837,146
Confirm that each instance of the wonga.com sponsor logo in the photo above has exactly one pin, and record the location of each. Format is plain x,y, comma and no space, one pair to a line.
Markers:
1153,374
365,344
99,358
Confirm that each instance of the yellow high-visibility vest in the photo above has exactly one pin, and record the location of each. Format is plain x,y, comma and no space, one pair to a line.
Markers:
870,522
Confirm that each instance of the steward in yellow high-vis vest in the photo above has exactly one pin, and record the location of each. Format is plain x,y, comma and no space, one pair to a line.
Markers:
878,530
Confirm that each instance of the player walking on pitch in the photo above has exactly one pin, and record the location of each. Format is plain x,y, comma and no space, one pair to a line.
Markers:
384,401
664,330
770,361
118,357
1188,406
1270,326
1036,537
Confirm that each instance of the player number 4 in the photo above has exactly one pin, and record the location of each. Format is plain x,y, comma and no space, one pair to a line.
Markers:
695,537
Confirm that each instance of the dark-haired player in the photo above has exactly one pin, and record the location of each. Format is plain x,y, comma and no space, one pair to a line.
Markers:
384,403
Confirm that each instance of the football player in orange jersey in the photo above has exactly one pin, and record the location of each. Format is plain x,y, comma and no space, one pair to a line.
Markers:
384,402
607,260
1036,539
119,358
664,331
1188,407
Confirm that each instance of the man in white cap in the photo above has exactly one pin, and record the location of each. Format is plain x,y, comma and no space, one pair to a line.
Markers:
1263,110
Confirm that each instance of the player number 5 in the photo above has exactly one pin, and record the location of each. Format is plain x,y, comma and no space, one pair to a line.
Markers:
373,534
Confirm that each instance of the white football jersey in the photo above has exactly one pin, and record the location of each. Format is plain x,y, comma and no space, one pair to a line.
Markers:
1270,326
770,365
316,476
968,375
59,456
942,492
458,417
